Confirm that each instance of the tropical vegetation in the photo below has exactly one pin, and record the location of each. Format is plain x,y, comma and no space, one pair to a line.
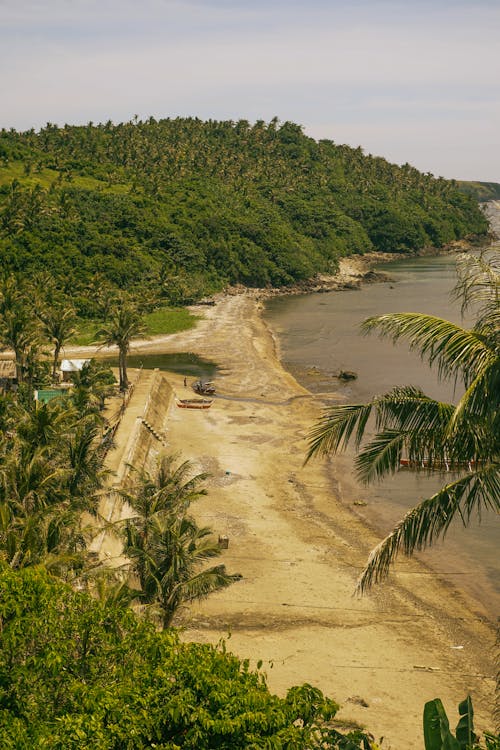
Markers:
103,224
78,674
168,551
123,324
432,436
177,208
437,733
480,191
51,469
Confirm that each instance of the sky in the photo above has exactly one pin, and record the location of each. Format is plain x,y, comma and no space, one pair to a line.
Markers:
412,81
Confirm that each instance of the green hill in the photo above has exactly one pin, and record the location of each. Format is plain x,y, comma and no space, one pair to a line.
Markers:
178,208
481,191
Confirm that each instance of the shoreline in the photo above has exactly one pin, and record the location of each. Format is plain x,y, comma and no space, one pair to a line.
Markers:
300,547
355,270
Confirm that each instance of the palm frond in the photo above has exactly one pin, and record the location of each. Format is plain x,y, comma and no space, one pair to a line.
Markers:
409,408
206,582
381,456
336,427
478,287
482,396
431,519
455,351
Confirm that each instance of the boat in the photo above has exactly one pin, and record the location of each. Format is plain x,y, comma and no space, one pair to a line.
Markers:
194,403
204,388
437,464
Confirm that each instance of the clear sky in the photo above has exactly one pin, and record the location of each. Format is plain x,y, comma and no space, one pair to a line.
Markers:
415,81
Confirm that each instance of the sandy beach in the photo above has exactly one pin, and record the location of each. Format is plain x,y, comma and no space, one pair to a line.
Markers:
295,538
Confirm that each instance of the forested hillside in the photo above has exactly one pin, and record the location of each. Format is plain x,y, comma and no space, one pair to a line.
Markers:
481,191
178,208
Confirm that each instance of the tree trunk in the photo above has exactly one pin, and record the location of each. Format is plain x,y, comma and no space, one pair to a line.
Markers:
19,365
167,618
57,349
123,370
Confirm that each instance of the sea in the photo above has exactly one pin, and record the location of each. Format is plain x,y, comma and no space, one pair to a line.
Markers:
319,334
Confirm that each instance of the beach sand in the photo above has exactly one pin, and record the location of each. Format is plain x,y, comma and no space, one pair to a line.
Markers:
295,538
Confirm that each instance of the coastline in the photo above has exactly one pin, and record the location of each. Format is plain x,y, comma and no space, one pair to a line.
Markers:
299,547
295,538
356,270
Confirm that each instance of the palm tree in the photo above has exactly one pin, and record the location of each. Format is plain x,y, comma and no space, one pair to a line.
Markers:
170,490
167,549
432,435
124,324
58,324
18,329
86,473
50,473
92,385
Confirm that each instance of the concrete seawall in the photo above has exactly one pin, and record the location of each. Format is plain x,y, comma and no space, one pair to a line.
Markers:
140,439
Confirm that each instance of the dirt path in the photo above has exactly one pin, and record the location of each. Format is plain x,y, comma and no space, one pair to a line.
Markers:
299,546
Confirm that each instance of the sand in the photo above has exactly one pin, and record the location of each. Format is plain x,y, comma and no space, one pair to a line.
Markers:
296,539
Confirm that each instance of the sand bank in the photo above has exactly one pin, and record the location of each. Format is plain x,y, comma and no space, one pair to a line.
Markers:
294,537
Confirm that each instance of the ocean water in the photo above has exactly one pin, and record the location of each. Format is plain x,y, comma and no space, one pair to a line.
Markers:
319,334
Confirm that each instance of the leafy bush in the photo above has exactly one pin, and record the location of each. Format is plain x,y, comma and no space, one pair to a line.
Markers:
76,674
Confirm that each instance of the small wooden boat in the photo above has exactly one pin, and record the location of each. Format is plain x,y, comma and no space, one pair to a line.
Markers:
194,403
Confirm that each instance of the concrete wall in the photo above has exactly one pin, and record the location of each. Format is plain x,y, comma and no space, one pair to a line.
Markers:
146,442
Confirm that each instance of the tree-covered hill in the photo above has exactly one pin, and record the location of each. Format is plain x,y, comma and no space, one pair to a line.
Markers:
481,191
181,207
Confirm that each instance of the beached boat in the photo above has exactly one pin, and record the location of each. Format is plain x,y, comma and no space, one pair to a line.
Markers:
194,403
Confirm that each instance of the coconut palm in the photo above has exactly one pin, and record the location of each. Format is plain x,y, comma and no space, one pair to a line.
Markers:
167,549
170,489
50,473
168,563
18,328
41,425
86,473
92,385
52,536
124,324
432,435
58,325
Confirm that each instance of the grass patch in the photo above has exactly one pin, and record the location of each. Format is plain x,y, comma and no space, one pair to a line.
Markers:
15,171
169,320
47,177
86,331
162,321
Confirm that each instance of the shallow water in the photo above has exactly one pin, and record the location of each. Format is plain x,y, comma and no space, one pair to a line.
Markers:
319,335
183,363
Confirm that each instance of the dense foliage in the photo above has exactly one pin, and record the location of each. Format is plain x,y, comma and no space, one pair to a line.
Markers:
169,553
77,674
51,472
181,207
481,191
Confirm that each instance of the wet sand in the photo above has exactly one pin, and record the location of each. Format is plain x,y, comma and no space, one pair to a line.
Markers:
294,537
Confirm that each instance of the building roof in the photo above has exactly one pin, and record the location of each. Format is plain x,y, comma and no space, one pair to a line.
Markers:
73,365
7,368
